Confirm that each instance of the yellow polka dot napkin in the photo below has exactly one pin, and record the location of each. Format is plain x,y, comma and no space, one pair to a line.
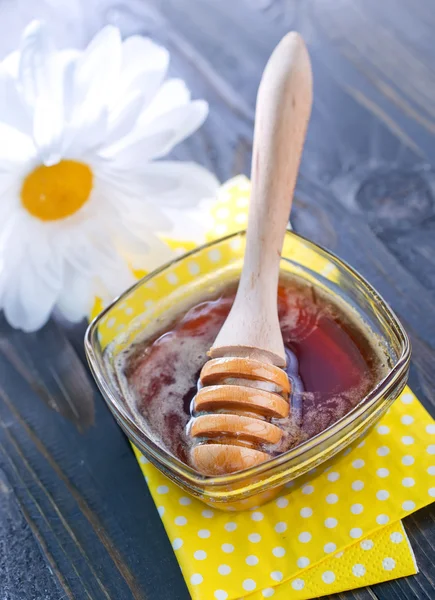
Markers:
336,529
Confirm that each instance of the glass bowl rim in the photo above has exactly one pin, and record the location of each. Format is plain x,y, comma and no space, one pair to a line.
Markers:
190,476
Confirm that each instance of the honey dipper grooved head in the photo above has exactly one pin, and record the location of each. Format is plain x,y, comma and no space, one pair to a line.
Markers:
240,397
221,459
247,428
236,425
221,368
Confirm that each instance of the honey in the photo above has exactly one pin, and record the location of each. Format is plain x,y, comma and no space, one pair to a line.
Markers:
332,363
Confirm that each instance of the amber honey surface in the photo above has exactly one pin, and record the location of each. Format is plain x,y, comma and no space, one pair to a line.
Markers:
332,363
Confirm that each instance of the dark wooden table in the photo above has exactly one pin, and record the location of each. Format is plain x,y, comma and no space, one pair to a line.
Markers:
76,518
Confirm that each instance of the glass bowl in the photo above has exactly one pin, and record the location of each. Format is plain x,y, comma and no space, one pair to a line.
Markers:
199,273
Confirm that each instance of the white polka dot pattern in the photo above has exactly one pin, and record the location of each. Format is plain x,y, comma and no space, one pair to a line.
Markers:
282,502
328,577
355,532
257,516
280,527
224,570
382,472
357,485
388,564
383,429
382,495
196,579
396,537
383,451
323,576
264,552
303,562
298,584
359,570
204,533
382,519
249,585
331,522
177,543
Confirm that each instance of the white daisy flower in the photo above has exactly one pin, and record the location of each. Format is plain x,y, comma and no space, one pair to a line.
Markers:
80,194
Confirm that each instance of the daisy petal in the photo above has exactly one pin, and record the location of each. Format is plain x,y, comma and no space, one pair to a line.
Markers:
16,148
30,297
65,63
53,107
145,218
11,63
110,267
95,77
48,124
80,141
76,297
189,225
145,255
172,94
177,184
160,136
36,47
39,293
122,121
41,83
88,250
137,153
11,246
180,123
13,111
10,190
144,66
93,267
124,193
156,256
142,54
111,284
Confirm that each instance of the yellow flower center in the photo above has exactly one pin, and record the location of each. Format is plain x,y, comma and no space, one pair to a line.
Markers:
57,192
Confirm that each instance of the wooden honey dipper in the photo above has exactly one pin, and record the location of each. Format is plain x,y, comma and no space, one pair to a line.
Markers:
244,385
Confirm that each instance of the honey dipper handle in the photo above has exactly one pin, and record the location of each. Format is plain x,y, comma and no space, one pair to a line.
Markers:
283,110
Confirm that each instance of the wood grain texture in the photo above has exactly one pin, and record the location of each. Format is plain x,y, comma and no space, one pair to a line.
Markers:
75,514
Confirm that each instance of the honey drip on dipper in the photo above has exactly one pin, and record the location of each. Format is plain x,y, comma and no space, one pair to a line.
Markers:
244,386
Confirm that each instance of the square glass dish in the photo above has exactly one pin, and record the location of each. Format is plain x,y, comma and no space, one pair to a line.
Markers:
197,275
